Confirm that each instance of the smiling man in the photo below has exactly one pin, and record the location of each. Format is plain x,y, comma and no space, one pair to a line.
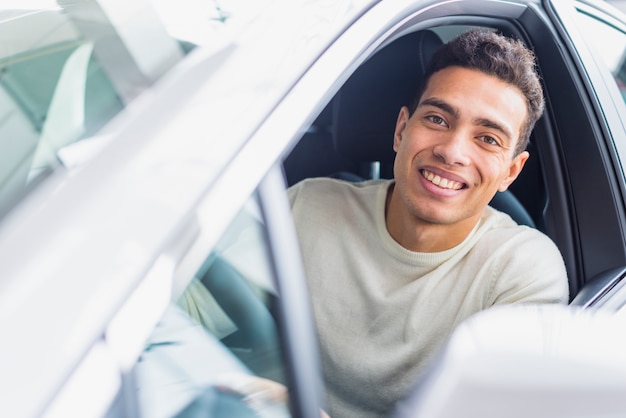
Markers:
394,266
454,152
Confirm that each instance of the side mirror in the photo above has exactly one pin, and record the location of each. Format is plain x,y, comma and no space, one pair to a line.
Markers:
527,361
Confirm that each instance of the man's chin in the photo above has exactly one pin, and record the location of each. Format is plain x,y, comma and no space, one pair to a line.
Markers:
446,217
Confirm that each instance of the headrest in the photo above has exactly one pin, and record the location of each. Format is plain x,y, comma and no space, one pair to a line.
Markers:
367,106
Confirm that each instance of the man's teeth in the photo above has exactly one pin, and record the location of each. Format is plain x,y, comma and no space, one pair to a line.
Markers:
441,182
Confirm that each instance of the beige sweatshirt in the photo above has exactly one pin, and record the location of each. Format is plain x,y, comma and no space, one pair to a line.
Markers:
382,311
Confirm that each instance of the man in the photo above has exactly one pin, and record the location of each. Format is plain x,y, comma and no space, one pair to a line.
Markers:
394,266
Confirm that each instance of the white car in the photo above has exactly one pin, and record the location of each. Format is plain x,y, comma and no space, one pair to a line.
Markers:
149,264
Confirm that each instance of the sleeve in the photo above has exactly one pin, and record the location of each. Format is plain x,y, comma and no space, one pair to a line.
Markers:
532,271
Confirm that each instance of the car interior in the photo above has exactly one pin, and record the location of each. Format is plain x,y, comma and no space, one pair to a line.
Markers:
226,309
351,139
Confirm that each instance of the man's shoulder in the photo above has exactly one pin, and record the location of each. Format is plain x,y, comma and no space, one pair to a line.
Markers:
499,228
526,263
496,220
511,248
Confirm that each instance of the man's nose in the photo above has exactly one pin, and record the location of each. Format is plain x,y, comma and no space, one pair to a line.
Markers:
453,148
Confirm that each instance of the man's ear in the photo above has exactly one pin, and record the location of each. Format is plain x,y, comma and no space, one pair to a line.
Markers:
403,119
514,169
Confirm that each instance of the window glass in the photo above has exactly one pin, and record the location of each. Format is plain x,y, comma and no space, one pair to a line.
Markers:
67,69
609,45
216,351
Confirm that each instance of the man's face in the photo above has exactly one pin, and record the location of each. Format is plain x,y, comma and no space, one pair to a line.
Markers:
456,150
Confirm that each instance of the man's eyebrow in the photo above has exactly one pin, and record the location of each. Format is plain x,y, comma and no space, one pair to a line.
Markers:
494,125
446,107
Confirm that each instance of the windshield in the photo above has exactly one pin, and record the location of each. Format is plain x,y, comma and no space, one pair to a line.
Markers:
66,69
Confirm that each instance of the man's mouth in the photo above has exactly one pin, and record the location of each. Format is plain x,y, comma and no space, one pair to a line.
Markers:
442,182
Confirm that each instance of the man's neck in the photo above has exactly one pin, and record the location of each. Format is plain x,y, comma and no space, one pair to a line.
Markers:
416,235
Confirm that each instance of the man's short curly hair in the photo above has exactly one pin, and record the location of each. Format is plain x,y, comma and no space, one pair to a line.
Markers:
505,58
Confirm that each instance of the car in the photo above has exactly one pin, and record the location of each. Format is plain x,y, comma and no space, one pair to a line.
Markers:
150,265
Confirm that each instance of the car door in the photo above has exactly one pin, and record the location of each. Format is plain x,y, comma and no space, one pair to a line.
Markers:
247,293
594,34
93,251
229,335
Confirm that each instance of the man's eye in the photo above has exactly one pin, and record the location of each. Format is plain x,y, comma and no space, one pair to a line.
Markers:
436,120
488,140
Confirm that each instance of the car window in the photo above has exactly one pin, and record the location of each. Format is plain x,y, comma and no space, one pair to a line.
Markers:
608,44
216,351
68,71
